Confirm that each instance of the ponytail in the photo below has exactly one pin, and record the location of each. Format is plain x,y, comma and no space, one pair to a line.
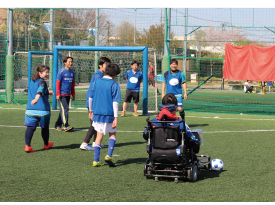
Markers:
41,69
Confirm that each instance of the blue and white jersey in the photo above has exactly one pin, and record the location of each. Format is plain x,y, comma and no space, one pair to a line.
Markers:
98,74
42,107
134,80
104,92
173,81
66,78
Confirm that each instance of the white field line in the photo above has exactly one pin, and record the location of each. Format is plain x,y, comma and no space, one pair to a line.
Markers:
221,131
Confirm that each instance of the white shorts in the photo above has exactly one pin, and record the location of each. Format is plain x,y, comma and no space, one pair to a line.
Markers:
103,127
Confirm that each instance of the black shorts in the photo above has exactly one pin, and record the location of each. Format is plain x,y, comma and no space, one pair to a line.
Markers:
131,94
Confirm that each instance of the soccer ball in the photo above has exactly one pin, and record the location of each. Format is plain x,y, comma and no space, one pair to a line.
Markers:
216,164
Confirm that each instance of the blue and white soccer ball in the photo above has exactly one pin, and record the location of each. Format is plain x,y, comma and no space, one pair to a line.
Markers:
216,165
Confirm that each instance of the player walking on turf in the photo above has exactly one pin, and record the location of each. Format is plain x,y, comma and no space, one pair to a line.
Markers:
102,63
173,81
65,87
38,108
134,77
103,103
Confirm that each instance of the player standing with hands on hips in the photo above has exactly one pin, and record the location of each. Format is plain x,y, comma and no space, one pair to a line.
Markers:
174,80
38,108
65,87
134,77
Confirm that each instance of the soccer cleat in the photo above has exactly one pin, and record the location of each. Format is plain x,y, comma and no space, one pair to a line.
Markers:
28,149
58,128
102,145
66,129
135,114
97,164
109,160
122,114
50,144
86,147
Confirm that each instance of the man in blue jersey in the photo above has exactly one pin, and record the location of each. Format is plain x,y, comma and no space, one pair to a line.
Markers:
174,80
65,87
134,77
103,104
102,63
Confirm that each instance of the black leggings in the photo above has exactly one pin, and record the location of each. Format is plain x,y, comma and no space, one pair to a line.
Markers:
29,133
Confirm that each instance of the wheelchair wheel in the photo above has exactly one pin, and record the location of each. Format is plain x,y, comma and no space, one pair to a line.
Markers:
146,170
193,173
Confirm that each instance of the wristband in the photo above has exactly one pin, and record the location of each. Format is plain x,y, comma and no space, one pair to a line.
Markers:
37,99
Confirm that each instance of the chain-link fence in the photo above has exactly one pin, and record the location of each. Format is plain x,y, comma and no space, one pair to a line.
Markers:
196,37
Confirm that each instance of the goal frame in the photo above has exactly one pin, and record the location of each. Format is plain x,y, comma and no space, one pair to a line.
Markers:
143,49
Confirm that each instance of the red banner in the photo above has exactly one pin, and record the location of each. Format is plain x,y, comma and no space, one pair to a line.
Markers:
249,63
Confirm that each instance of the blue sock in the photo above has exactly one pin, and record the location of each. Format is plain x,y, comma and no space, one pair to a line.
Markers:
96,152
111,146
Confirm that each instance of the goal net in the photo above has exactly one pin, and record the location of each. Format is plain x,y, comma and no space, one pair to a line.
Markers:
85,65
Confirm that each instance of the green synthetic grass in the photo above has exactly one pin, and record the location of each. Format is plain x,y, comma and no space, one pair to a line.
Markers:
65,173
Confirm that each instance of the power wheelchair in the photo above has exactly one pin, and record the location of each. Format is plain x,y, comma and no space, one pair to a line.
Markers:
170,155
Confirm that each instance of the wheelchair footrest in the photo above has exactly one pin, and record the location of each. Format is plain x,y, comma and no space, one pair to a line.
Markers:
204,162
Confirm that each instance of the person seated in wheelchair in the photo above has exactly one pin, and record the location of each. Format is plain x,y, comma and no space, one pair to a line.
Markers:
168,110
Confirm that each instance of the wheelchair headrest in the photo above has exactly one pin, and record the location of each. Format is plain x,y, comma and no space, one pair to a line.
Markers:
171,107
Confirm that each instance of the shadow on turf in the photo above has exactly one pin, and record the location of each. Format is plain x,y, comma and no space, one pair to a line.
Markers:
130,161
206,174
198,125
129,143
76,146
71,146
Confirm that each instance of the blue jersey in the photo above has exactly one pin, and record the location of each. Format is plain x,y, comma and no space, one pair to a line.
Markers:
96,76
173,81
105,92
38,87
66,78
134,80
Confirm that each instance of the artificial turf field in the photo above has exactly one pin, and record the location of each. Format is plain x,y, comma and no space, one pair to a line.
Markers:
64,173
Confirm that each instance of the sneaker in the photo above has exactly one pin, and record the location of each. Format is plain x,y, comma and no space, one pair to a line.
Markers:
109,160
122,114
102,145
50,144
86,147
135,114
28,149
58,128
66,129
97,164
